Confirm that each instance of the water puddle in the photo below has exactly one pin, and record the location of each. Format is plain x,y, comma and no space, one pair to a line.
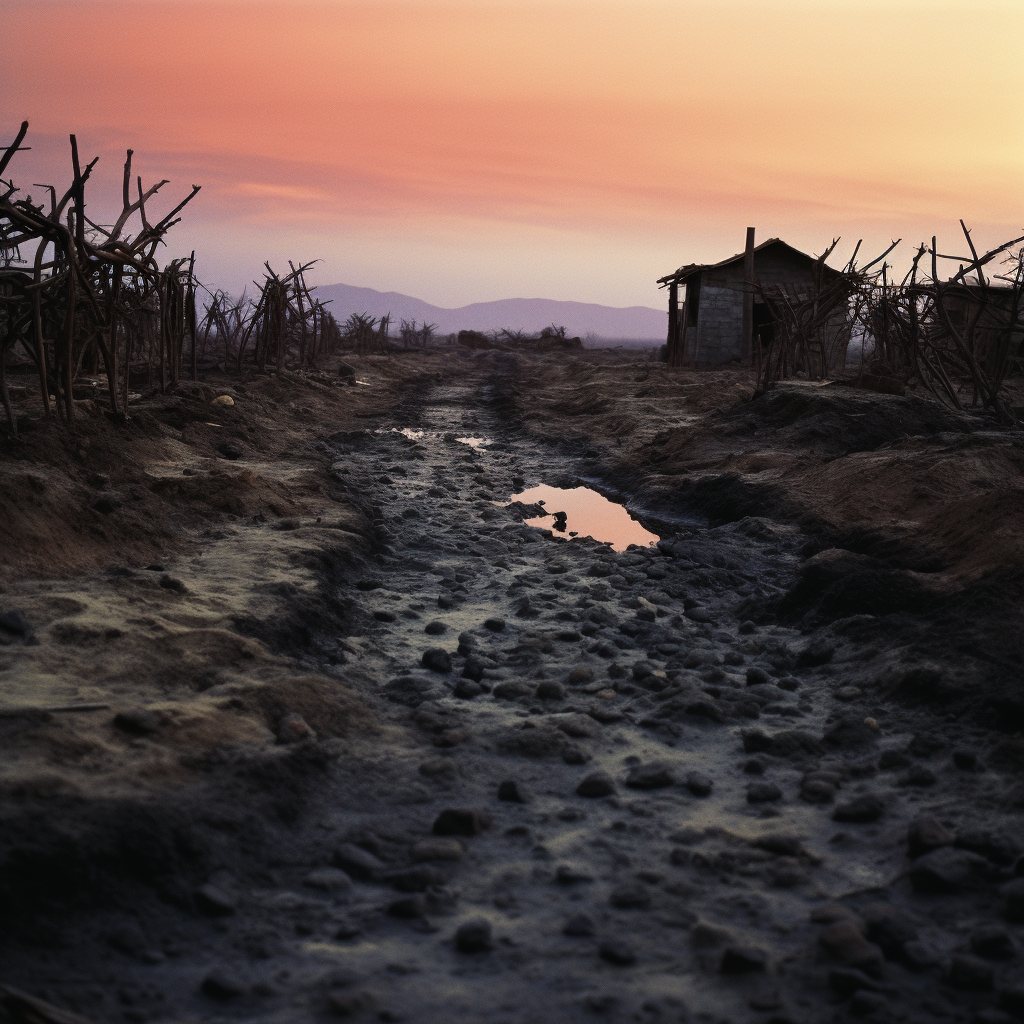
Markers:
587,514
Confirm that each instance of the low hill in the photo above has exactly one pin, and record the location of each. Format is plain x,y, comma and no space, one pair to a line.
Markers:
580,318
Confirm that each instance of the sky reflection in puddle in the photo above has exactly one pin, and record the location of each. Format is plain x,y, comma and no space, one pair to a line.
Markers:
588,514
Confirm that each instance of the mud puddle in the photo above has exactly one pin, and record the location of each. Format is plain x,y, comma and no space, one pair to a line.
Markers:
583,512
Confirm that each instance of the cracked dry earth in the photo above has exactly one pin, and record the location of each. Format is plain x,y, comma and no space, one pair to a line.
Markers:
600,792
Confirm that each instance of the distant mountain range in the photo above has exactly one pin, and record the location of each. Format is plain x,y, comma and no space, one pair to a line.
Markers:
579,318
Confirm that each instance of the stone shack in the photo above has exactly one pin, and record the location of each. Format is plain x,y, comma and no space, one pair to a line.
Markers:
722,316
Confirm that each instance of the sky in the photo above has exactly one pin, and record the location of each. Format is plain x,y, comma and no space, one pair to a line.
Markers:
468,151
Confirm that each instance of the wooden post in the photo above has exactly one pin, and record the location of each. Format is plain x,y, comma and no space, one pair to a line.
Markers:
673,323
747,341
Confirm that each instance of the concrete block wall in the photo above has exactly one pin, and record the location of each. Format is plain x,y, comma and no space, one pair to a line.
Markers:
719,325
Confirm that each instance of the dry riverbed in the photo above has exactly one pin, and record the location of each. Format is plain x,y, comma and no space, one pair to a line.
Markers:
365,744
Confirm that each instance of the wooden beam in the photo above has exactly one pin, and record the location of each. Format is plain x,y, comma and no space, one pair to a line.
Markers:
747,340
673,323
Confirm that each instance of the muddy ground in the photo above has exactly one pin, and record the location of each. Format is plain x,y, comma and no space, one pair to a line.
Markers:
347,739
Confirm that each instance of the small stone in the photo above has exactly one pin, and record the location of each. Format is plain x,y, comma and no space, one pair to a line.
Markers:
847,980
577,726
889,928
1013,893
848,693
328,880
139,722
573,753
435,628
919,956
705,934
926,833
742,960
513,792
860,810
945,870
579,926
473,668
455,821
14,621
437,659
893,759
969,973
293,728
570,874
215,901
225,400
466,689
437,849
993,942
383,615
699,614
349,1004
550,690
581,674
511,690
597,784
655,775
359,863
763,792
473,936
219,985
438,766
618,952
753,766
918,775
630,897
844,941
699,784
757,676
408,907
494,624
748,627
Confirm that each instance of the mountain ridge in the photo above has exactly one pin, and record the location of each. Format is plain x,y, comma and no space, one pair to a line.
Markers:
530,315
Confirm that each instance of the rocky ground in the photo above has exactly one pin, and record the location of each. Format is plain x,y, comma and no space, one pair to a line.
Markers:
362,744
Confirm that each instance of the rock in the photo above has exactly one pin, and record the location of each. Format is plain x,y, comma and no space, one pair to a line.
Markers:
924,744
495,624
513,792
860,810
581,674
570,874
1013,894
788,743
747,627
993,942
573,753
762,792
618,952
466,689
172,584
844,941
550,690
817,791
818,652
220,985
919,956
437,659
139,722
579,926
778,843
699,784
631,896
577,726
966,760
349,1004
435,628
753,766
704,934
969,973
757,676
992,846
14,621
437,849
438,766
359,863
847,980
865,1002
699,614
511,690
468,821
742,960
918,775
473,936
849,732
848,693
467,644
596,784
889,928
293,728
945,870
229,450
408,907
328,880
926,834
893,759
214,901
655,775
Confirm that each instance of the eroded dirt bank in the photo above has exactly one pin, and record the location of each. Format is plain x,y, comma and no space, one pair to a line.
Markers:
768,770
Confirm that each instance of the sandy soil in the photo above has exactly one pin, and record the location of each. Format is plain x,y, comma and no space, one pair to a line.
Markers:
359,743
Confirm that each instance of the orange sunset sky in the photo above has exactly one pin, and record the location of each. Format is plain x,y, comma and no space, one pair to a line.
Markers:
462,152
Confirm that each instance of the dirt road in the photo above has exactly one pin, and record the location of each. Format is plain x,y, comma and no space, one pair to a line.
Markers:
516,777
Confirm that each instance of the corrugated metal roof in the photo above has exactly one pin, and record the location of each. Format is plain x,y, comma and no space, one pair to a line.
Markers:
692,268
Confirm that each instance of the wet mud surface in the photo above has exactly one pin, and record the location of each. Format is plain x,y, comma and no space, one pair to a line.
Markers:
516,778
